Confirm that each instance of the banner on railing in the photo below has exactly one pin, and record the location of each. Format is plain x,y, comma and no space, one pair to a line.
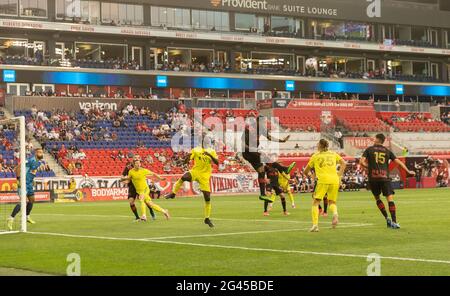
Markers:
331,104
110,188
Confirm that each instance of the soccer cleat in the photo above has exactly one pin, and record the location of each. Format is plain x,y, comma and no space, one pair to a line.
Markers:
290,167
314,228
395,225
286,213
267,198
170,196
29,220
144,218
137,220
335,221
10,223
293,206
166,214
209,222
266,214
153,218
323,214
389,223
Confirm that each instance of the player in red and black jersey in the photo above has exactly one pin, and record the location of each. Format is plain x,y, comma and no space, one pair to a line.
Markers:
376,159
254,128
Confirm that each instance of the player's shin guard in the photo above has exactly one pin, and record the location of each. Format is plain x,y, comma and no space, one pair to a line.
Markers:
157,208
315,215
177,186
29,208
392,210
291,197
325,205
262,183
333,209
283,203
134,210
15,211
207,209
381,206
143,208
152,213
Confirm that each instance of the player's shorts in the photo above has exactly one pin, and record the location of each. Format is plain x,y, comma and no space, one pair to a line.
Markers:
276,189
378,187
202,179
254,158
329,190
146,194
285,187
132,191
29,189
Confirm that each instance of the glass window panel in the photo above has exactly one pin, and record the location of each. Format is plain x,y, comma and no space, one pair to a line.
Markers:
114,12
106,13
245,21
122,13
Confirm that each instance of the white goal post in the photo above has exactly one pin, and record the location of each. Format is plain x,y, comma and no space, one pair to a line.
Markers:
20,123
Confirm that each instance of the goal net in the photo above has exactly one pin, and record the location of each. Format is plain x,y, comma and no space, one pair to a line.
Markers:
12,154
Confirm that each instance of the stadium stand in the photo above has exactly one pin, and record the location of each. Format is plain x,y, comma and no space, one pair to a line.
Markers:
413,122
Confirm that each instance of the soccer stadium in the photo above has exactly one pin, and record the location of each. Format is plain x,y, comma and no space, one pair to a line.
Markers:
224,137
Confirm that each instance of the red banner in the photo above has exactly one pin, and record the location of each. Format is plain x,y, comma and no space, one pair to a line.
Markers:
363,142
11,197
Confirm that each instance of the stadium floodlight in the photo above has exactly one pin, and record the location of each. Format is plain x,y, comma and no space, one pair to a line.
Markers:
6,201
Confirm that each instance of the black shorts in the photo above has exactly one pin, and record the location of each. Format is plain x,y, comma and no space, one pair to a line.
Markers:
378,187
276,188
132,191
254,158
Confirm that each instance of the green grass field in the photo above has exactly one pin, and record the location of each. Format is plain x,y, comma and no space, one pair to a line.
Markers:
242,243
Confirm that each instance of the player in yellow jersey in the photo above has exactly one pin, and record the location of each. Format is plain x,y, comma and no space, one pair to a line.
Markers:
285,186
324,163
138,176
284,181
200,172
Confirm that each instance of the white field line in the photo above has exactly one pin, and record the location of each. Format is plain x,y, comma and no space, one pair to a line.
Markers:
8,232
187,236
329,254
194,218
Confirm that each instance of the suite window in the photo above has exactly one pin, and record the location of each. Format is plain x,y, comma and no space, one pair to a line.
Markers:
244,21
33,8
122,14
85,11
8,7
283,24
210,20
170,17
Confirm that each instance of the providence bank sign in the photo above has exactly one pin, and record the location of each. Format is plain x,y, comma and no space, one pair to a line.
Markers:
266,6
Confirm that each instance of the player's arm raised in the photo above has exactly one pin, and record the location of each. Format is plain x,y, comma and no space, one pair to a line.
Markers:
213,158
152,174
403,166
273,139
342,167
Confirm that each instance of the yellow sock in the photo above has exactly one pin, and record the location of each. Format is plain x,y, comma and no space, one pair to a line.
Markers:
333,209
291,197
143,208
157,208
177,186
207,209
315,215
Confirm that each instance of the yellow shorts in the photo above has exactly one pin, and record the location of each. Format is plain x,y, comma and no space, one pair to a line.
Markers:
330,189
146,194
285,187
202,179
